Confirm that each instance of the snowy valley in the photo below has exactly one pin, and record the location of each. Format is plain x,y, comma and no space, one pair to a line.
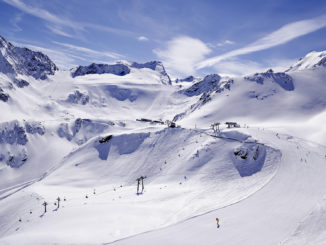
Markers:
77,141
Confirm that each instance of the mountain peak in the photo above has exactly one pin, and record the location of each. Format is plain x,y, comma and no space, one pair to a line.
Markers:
312,60
17,60
208,83
122,68
155,66
116,69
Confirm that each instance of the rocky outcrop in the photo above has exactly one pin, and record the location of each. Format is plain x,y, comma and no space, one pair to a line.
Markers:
281,78
81,130
15,160
205,97
78,98
33,127
209,83
14,140
249,158
187,79
20,83
3,96
12,133
17,60
116,69
121,69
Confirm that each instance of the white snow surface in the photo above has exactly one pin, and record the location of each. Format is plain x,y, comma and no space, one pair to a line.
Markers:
87,139
311,61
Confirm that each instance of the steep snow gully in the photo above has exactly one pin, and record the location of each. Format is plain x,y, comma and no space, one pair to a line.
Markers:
73,144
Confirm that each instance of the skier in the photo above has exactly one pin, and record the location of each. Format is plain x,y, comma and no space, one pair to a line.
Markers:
217,223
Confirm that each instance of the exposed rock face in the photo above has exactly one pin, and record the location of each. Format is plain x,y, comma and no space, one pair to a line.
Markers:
281,78
187,79
15,160
20,83
14,140
3,96
82,129
155,66
116,69
121,69
34,128
12,133
17,60
249,159
209,83
105,139
322,62
205,96
78,98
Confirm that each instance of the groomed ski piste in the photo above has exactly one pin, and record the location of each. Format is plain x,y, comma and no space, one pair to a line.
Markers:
87,138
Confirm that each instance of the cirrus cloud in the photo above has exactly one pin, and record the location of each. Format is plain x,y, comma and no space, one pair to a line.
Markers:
283,35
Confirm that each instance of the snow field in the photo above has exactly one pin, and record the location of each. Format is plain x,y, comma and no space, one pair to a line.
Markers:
203,178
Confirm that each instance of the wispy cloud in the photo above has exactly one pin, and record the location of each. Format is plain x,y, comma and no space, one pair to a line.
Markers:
43,14
90,52
283,35
142,38
109,29
239,67
220,45
182,53
224,43
61,22
15,21
58,30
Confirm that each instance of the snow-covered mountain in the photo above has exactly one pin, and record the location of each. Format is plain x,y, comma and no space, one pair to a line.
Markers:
293,101
17,60
86,135
122,68
310,61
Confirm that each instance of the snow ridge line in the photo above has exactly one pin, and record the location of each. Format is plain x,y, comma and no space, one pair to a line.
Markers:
227,138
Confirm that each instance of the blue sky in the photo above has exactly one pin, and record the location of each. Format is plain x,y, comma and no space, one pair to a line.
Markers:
190,37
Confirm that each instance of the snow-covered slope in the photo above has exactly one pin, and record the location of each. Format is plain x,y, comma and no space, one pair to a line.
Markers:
292,101
188,173
310,61
288,210
87,134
